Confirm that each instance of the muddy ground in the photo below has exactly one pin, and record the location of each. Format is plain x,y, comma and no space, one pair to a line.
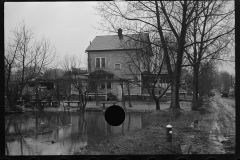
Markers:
212,133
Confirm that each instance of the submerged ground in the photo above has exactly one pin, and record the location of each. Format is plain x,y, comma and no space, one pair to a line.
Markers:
140,134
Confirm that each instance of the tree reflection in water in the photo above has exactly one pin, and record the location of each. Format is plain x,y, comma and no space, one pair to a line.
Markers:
79,140
69,131
17,126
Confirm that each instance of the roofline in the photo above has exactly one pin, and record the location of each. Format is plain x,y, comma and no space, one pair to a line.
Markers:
111,50
123,34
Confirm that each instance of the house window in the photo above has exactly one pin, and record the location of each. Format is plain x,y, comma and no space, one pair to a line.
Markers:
97,62
103,62
117,66
100,62
109,85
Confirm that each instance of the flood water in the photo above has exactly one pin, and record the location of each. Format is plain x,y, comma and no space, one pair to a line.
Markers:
71,131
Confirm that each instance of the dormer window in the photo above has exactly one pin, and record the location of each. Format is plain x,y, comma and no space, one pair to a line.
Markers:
100,62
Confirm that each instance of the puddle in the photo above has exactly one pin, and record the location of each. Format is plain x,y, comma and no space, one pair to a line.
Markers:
71,131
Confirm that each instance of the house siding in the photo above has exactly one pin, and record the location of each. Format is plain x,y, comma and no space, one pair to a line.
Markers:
112,58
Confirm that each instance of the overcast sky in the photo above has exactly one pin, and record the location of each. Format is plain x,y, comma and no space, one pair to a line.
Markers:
68,25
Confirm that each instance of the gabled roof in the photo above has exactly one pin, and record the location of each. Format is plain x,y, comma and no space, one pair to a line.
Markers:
112,42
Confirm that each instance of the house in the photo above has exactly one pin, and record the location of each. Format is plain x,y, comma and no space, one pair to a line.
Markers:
112,59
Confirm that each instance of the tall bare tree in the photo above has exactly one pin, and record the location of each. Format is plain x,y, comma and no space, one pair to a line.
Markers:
25,57
209,36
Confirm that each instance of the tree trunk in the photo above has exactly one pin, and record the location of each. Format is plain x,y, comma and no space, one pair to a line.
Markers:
195,88
129,95
157,100
157,103
79,98
178,68
175,93
7,87
123,100
84,100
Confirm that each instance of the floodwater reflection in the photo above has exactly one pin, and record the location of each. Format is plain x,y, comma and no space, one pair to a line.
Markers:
71,131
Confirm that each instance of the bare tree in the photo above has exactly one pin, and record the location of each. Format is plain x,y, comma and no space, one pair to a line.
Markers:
79,82
25,57
209,37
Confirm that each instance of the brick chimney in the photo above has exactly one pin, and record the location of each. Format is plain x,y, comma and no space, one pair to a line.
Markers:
120,34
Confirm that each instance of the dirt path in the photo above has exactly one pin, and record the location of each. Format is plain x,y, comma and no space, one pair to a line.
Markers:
215,131
221,125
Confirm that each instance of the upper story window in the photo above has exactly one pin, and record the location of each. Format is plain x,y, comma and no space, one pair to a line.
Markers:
103,62
117,66
100,62
97,62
